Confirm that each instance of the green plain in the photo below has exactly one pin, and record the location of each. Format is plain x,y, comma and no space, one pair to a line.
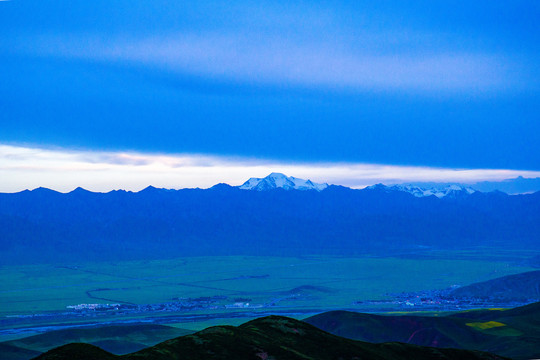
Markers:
324,282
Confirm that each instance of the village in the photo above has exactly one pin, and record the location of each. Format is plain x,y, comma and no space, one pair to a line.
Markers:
439,300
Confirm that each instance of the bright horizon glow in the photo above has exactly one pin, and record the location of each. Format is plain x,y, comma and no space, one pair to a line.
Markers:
25,167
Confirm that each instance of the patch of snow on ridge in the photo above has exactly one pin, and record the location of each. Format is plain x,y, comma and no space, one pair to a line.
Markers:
440,192
278,180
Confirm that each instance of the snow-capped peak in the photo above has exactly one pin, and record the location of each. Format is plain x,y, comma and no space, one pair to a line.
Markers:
452,190
278,180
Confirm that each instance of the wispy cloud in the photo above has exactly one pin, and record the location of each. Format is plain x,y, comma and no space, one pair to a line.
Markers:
23,167
370,61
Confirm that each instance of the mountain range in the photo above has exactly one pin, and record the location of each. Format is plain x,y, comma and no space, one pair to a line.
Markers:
452,190
286,216
281,181
519,185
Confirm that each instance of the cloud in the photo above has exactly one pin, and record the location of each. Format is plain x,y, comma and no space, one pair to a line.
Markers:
24,167
370,61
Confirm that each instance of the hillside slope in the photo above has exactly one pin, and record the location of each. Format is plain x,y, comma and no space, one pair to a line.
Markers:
518,287
271,337
117,339
10,352
514,333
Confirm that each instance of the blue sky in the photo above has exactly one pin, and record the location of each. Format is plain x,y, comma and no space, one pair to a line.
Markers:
445,84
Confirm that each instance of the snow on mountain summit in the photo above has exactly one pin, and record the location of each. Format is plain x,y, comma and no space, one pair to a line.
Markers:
281,181
278,180
453,190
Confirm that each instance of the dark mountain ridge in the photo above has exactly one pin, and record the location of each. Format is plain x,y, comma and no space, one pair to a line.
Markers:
44,225
272,337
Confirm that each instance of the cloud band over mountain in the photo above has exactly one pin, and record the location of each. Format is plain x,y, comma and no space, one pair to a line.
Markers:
65,169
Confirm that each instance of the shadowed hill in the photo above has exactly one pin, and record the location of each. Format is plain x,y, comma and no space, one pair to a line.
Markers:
518,287
514,333
118,339
10,352
77,351
272,337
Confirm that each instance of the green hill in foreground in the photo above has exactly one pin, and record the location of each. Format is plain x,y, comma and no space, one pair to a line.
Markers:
513,333
272,337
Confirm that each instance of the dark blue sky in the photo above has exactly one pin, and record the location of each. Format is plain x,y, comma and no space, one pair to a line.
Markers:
446,83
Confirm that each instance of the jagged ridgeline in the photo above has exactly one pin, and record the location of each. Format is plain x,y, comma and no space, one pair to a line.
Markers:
287,216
